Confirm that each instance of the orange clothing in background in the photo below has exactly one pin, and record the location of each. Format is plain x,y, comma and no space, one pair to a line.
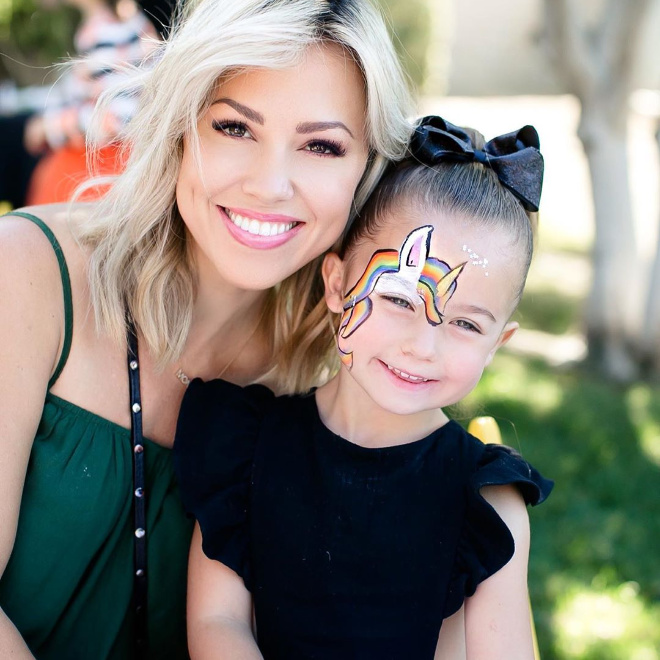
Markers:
59,173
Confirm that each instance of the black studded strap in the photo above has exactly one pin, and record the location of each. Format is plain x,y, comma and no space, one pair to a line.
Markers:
139,499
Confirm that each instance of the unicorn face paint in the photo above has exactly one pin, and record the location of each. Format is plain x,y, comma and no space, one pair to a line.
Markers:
416,331
409,274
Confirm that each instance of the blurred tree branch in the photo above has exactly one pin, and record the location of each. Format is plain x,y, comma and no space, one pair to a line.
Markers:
410,25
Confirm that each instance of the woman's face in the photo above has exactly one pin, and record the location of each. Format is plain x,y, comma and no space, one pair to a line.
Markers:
282,152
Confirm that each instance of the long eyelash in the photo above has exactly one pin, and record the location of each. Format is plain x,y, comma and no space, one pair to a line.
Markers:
222,124
470,327
395,300
337,148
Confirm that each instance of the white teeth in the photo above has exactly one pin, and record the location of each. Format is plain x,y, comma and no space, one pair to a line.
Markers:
259,228
405,376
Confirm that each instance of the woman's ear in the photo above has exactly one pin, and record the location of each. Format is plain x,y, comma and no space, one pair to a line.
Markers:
332,271
506,334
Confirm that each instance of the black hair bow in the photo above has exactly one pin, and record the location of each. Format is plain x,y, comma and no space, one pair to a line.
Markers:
514,157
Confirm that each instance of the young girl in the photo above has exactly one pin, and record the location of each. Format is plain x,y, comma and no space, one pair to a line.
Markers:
359,518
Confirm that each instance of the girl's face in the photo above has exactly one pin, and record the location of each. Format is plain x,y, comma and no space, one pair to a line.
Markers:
282,152
425,306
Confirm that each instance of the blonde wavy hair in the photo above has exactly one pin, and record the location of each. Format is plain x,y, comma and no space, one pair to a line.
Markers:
140,265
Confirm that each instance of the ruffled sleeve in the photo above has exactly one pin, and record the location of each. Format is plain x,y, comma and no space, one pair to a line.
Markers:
486,544
214,448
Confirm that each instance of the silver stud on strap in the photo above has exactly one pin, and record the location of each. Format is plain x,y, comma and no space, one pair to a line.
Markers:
133,364
139,532
136,407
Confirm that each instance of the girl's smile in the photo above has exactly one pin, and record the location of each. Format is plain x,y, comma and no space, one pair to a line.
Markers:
408,378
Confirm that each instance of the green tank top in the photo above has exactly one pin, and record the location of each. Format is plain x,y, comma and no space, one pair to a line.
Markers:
69,580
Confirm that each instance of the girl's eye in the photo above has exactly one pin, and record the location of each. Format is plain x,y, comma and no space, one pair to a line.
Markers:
466,325
326,148
231,128
399,301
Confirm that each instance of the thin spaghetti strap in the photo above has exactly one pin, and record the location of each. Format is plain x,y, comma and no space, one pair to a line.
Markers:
66,290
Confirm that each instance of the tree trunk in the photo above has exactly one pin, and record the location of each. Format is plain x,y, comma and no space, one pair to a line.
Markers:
611,306
651,325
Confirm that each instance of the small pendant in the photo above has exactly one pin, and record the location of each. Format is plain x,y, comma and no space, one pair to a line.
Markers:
182,377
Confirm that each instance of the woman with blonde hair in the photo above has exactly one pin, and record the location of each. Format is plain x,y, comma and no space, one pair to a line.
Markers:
262,127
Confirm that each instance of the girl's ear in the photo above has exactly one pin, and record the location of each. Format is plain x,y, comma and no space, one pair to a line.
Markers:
332,271
508,332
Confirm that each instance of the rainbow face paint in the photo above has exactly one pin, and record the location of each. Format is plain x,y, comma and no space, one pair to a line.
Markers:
409,272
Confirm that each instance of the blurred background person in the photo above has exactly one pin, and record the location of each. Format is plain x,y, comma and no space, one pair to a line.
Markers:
42,153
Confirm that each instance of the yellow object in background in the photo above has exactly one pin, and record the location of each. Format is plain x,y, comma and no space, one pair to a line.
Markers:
488,431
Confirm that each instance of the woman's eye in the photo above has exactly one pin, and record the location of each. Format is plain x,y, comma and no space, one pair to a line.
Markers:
466,325
326,148
399,301
231,128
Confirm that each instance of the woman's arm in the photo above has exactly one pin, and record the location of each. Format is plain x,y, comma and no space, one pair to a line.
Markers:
31,322
497,616
219,610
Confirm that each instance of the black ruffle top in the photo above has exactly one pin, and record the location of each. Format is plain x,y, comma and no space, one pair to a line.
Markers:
349,552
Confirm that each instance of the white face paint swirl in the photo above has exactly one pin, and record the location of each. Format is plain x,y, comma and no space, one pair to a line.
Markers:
392,284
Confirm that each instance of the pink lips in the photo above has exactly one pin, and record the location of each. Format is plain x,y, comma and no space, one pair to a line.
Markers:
255,240
404,382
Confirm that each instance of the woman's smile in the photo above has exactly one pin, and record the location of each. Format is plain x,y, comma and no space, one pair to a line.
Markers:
258,230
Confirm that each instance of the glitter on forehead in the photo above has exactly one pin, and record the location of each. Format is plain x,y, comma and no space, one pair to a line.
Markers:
475,259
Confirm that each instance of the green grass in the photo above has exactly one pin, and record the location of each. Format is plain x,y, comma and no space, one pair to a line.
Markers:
595,566
548,311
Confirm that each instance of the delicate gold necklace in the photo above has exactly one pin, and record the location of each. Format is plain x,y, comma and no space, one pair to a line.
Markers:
185,380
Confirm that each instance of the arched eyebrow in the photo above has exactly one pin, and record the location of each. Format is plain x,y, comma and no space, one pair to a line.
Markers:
248,113
312,126
303,128
475,309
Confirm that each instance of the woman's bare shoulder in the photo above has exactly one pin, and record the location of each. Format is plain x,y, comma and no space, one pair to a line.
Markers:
30,271
63,220
23,242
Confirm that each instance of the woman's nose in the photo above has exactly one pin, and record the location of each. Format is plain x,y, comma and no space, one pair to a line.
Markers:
268,177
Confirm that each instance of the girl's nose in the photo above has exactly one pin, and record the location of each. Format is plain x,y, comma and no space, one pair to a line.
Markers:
268,179
422,342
